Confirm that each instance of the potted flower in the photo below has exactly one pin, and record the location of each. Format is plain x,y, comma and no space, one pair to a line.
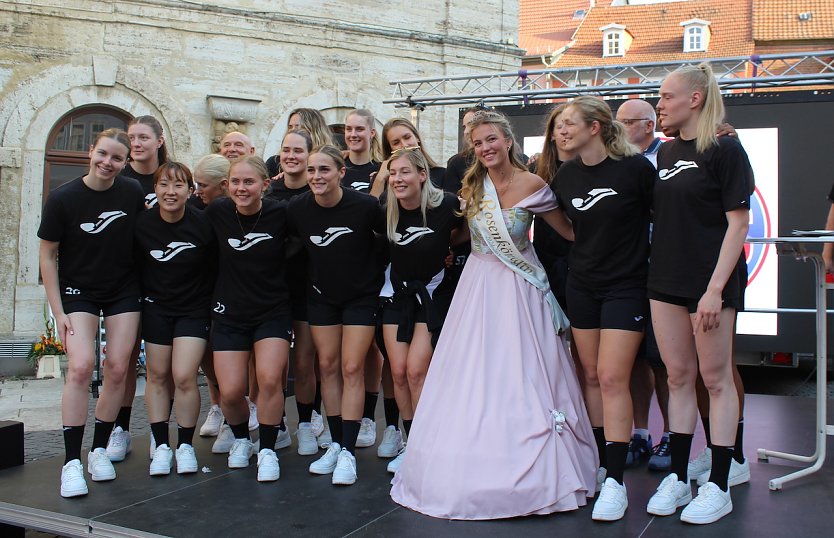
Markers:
47,351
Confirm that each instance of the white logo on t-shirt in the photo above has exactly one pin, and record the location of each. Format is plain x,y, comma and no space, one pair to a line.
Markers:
680,166
249,240
359,185
103,221
150,199
330,235
412,233
594,196
173,249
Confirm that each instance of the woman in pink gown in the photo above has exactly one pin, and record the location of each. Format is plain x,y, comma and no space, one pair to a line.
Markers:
501,429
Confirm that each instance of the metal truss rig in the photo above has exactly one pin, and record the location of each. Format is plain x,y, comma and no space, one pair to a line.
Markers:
766,71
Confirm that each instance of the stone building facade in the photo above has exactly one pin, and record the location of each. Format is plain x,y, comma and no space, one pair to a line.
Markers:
196,66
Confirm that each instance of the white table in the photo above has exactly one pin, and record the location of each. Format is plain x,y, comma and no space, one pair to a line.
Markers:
797,247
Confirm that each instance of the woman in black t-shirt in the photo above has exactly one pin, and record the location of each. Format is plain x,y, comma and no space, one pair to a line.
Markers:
398,133
607,193
306,119
337,227
701,206
147,153
364,154
177,252
251,310
89,223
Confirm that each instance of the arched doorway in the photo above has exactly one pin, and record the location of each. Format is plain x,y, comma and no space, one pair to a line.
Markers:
68,145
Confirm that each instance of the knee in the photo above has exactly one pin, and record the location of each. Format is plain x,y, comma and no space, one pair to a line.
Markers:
79,372
718,382
353,370
116,372
611,383
329,367
229,399
591,377
416,376
270,386
156,377
680,379
399,375
185,383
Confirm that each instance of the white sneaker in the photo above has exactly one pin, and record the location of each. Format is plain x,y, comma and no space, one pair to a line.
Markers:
214,420
325,439
239,455
318,424
392,443
367,434
72,479
186,459
739,474
326,463
602,472
701,465
151,446
611,503
118,446
307,445
253,415
225,440
671,494
710,505
394,465
99,465
345,472
163,458
268,468
283,440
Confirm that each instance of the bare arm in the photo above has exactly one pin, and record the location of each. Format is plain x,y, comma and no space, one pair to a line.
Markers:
49,273
557,220
380,179
828,248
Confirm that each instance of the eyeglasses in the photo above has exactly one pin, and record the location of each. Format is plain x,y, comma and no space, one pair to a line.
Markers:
629,121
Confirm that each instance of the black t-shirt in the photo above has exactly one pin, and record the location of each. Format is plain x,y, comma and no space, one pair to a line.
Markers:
552,249
178,262
693,193
296,269
95,232
456,168
360,177
421,250
831,195
145,180
279,191
250,284
609,204
340,244
273,166
196,202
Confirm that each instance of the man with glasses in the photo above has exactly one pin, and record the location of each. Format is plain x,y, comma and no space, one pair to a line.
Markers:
640,122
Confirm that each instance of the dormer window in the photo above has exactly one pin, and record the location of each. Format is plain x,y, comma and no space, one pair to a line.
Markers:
696,34
615,40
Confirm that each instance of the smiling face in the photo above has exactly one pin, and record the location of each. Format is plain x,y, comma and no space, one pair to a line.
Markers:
172,191
323,174
246,187
293,154
401,136
236,145
144,143
358,133
406,181
107,159
678,104
575,133
490,145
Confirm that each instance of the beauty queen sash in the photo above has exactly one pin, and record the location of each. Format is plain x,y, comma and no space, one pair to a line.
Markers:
490,222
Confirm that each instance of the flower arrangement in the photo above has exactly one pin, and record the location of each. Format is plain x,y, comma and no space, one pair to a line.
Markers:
47,343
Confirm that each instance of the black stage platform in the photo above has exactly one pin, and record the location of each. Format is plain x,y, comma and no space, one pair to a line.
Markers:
224,503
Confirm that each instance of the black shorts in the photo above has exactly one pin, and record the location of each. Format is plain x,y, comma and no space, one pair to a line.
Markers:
607,308
392,312
122,305
691,304
160,329
361,311
225,337
648,347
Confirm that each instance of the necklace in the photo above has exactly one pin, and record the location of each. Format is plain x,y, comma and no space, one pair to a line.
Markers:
502,190
237,214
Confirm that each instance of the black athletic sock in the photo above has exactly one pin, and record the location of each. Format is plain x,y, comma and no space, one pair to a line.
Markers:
334,422
392,412
101,433
123,418
350,431
371,399
185,436
240,431
407,426
680,444
615,457
305,411
73,437
317,399
738,451
707,434
268,435
721,456
599,437
159,430
282,425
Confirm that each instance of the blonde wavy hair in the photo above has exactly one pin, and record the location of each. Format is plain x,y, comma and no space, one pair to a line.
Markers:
430,196
368,116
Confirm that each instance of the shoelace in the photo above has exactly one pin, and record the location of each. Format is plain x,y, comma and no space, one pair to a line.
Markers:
705,495
661,449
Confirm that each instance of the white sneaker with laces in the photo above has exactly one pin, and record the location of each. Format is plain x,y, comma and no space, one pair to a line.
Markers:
602,472
709,506
186,459
239,455
307,445
611,503
394,465
99,465
671,494
213,422
701,465
325,439
739,474
318,424
345,472
268,468
225,440
392,443
253,415
327,463
118,446
151,447
72,479
284,439
367,433
163,459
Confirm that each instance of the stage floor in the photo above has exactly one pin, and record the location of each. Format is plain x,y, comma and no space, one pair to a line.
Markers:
224,503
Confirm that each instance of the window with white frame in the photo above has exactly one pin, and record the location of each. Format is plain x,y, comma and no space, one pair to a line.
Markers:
696,34
613,44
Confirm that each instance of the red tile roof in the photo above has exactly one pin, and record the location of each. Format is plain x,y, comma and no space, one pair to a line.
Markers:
548,25
779,20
